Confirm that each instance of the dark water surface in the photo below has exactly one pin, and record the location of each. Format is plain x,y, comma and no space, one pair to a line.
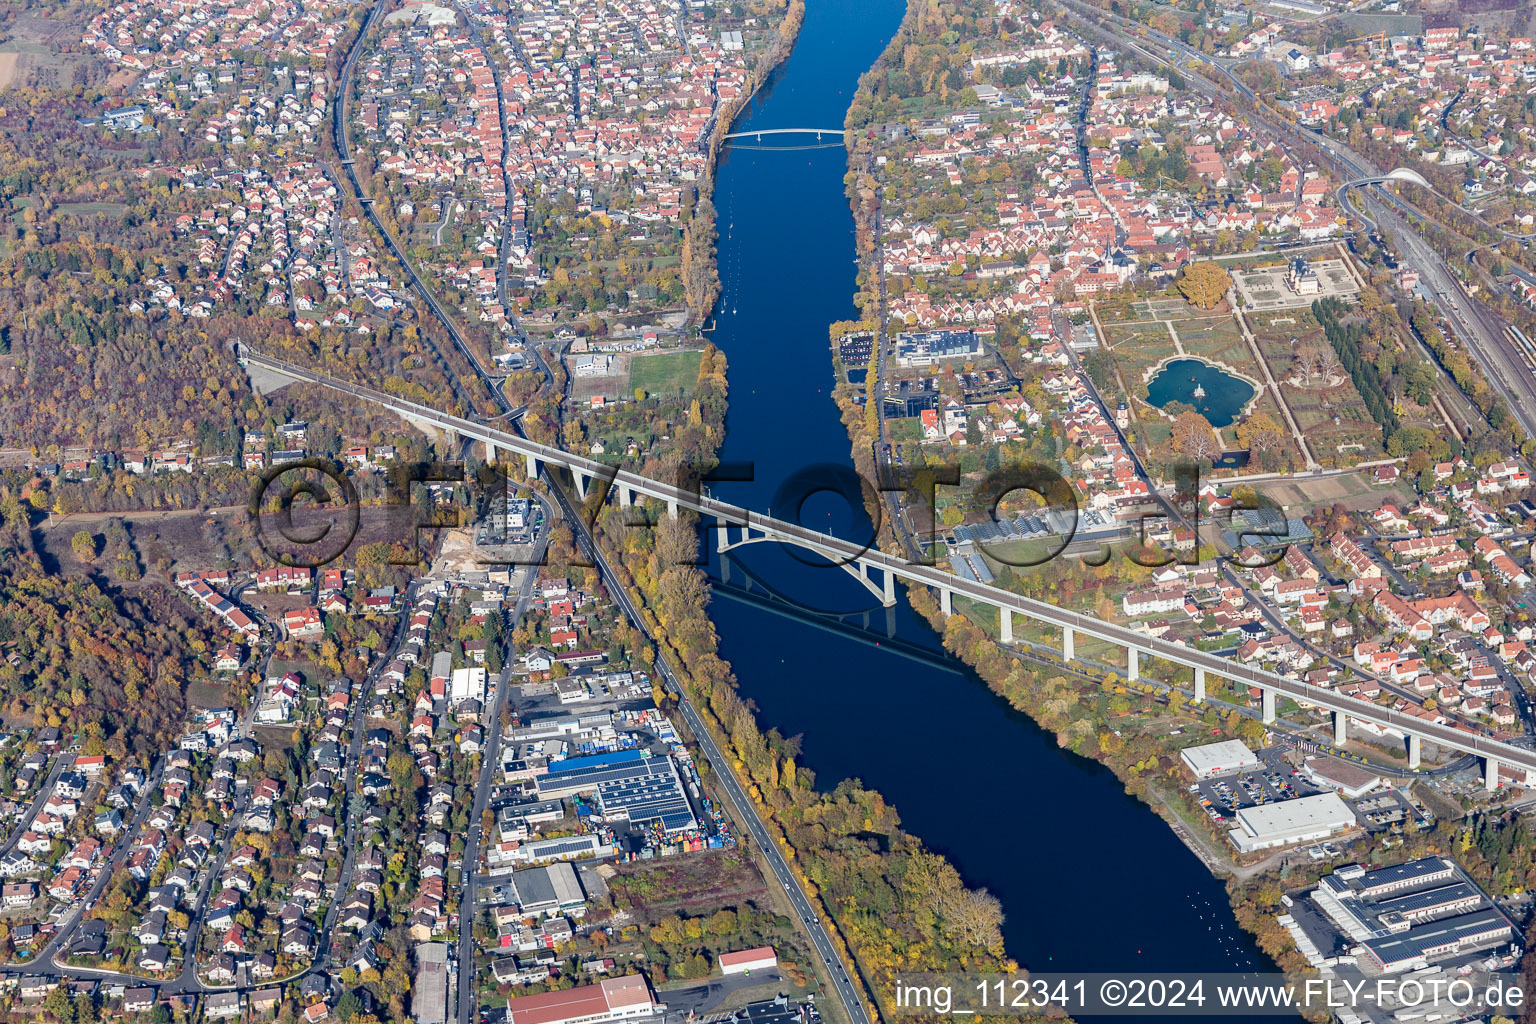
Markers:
1223,395
1090,879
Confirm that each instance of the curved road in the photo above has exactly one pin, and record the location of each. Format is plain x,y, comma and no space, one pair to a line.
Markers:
343,149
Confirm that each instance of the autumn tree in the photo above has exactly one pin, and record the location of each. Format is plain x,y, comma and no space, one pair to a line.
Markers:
1260,433
1204,284
1193,438
84,545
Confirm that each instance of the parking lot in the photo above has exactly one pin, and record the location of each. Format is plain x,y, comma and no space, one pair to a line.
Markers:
1275,781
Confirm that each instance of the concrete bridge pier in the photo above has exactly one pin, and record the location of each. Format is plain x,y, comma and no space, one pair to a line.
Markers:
490,452
886,592
1068,644
946,602
1199,685
581,484
533,467
1267,700
1490,774
671,508
1132,663
1005,625
625,496
722,536
1340,728
1415,750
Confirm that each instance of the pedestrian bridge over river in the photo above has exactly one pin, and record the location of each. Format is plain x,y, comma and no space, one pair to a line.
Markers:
735,526
760,133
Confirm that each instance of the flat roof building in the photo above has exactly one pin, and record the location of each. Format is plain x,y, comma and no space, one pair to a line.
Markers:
1407,916
564,848
929,347
629,785
1416,947
611,999
468,684
1212,759
429,996
1344,778
549,889
1301,820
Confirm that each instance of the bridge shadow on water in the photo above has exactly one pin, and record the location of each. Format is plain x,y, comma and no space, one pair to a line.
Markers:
874,696
874,626
1088,877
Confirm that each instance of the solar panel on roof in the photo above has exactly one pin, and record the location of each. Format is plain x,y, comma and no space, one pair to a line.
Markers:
1416,901
1468,928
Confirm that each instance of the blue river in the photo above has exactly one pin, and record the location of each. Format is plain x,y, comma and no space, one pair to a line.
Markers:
1090,878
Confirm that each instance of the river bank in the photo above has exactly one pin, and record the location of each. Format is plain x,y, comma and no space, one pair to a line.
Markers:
886,901
1026,689
1040,827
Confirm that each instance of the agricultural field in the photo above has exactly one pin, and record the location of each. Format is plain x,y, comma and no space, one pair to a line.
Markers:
1352,490
30,51
91,209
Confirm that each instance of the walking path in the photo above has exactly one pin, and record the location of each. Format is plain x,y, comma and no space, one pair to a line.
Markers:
1274,389
1177,345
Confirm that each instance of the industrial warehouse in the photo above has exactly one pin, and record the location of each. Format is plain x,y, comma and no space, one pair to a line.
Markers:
630,785
1302,820
1210,760
613,999
549,889
1272,803
1410,916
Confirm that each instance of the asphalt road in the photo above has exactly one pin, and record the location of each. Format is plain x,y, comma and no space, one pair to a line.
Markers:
846,992
469,893
343,147
115,858
725,778
1481,332
44,791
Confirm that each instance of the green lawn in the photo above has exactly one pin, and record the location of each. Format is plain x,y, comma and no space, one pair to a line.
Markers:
1019,555
665,372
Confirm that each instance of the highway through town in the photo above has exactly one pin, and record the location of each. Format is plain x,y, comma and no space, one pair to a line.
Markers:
543,458
745,811
343,149
862,557
846,992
